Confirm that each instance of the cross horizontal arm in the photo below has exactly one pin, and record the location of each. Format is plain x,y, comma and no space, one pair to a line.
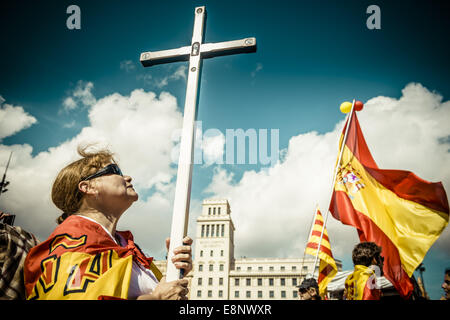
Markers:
210,50
165,56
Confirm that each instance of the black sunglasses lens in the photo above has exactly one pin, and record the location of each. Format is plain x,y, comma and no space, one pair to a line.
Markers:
116,170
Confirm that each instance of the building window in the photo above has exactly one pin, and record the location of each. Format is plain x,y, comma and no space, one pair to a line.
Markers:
200,267
209,211
259,294
271,295
212,230
282,268
282,281
210,281
270,268
220,293
271,282
199,281
248,294
238,268
294,268
260,268
203,231
283,294
209,293
221,267
217,230
201,253
214,211
248,282
305,268
220,281
294,281
199,293
211,267
236,294
218,210
249,268
207,230
259,282
223,230
236,282
295,294
221,253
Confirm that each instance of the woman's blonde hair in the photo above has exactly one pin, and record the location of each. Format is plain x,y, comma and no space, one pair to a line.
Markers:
65,193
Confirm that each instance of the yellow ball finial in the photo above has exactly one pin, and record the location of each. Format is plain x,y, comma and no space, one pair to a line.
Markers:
346,107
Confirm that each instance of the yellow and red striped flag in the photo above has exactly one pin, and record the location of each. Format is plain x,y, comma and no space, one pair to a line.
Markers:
393,208
327,266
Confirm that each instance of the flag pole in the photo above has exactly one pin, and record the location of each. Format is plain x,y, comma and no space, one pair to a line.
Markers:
309,236
341,151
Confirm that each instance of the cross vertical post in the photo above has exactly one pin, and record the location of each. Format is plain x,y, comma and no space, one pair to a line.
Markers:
194,54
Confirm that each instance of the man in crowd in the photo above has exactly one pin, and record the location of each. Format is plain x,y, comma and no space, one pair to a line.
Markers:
446,285
309,290
362,283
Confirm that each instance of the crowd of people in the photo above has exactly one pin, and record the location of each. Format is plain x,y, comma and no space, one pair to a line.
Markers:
87,258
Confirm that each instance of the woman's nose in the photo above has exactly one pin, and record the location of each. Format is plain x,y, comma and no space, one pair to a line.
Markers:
127,178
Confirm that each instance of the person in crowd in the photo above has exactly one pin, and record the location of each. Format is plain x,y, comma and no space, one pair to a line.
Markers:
368,264
15,242
86,257
308,290
446,285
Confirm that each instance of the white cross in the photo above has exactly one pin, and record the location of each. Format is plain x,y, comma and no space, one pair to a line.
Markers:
193,53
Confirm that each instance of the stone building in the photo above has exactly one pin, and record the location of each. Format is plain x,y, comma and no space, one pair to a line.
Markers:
217,274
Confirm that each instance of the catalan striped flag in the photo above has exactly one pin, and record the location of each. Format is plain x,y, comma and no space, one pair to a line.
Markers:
393,208
327,266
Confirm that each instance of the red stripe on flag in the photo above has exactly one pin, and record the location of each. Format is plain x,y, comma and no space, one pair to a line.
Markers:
342,209
318,233
404,184
324,273
323,249
318,222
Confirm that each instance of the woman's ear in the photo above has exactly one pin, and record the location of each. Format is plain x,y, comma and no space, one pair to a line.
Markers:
86,188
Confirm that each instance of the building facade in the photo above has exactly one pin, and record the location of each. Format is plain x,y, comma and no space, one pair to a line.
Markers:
217,274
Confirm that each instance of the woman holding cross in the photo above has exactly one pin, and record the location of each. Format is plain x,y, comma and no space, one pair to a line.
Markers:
86,257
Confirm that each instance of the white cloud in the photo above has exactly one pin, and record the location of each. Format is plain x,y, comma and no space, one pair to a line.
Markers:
178,74
69,104
13,119
213,148
82,94
138,128
259,67
70,124
127,65
272,209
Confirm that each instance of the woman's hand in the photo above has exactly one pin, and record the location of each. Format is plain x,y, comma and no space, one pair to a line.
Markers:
173,290
182,258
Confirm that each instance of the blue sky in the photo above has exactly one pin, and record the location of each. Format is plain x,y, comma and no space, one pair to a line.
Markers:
312,55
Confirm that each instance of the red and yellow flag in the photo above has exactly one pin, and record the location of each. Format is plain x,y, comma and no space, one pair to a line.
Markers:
327,266
393,208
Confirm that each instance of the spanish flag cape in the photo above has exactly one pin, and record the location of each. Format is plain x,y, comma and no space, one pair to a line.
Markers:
80,261
396,209
361,285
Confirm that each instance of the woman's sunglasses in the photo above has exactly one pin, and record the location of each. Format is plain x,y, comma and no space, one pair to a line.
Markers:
109,169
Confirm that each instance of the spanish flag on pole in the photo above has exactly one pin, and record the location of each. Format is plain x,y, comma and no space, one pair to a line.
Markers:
396,209
327,266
